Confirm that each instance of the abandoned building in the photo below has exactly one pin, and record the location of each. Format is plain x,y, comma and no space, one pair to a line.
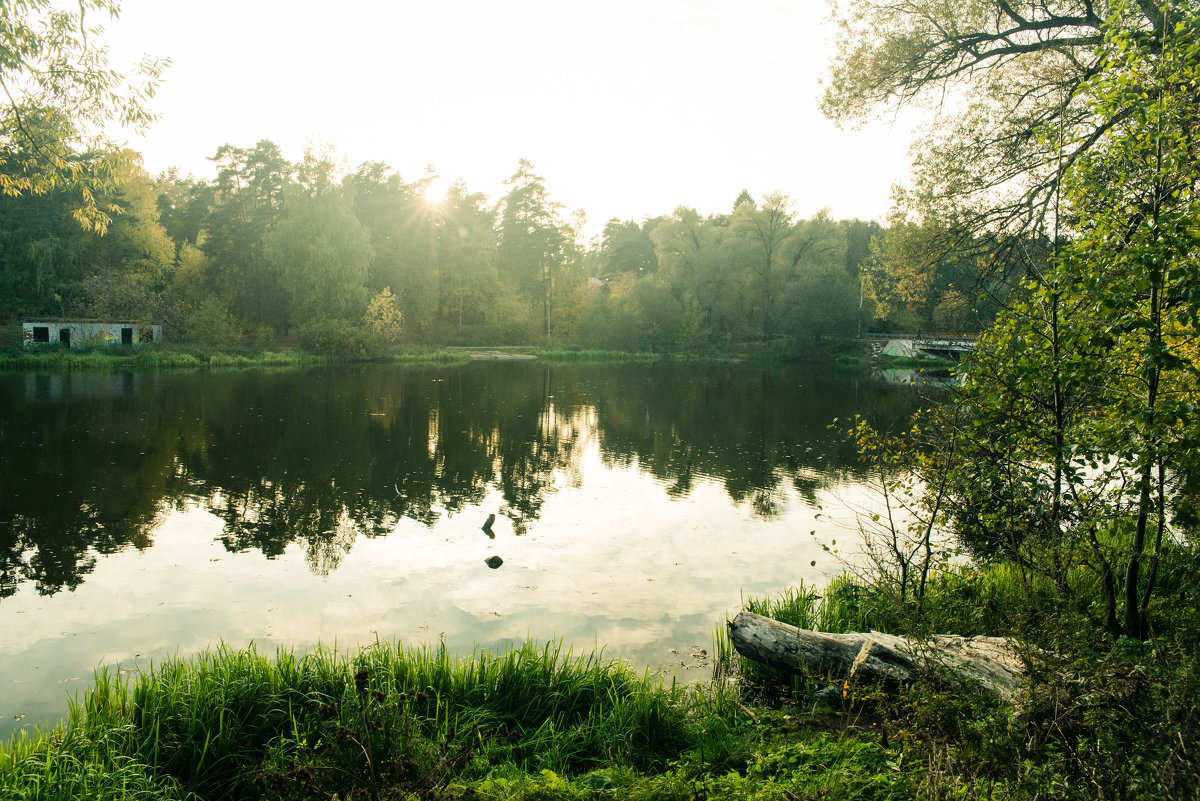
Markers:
76,333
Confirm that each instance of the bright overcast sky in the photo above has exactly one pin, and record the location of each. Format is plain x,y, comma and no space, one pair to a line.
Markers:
628,108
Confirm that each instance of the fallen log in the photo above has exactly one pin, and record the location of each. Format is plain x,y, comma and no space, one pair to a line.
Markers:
876,657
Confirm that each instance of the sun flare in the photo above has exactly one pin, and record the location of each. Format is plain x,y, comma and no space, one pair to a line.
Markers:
435,191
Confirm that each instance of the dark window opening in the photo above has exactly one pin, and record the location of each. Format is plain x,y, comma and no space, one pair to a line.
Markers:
41,333
64,336
126,336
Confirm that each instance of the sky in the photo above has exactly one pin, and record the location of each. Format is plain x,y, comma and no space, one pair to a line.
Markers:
627,108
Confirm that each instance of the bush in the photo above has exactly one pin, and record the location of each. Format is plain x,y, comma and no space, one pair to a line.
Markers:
211,324
328,336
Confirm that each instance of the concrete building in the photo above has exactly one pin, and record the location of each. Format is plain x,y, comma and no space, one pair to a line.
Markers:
75,333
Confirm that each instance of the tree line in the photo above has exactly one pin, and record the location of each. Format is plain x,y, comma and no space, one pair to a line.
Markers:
272,249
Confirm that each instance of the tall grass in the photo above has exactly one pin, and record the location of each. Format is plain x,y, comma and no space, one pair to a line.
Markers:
435,357
64,360
183,357
235,723
89,756
596,357
269,358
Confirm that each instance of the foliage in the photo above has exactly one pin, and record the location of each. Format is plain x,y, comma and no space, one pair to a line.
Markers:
383,317
1077,418
329,336
595,357
211,324
54,68
270,244
321,255
1096,719
229,724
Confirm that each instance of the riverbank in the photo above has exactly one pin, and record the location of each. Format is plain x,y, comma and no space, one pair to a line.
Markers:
1099,719
191,357
185,357
389,723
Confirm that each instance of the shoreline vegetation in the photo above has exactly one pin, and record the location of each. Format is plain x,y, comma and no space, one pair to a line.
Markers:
186,356
538,722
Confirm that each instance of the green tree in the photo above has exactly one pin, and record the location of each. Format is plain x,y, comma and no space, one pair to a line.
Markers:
52,64
783,254
466,257
133,262
1079,405
44,254
248,201
985,169
403,237
1135,210
698,256
628,247
532,243
322,255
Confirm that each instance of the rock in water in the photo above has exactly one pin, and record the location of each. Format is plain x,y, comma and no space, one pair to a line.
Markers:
493,562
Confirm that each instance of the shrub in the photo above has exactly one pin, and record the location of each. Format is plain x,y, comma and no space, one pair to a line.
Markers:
327,336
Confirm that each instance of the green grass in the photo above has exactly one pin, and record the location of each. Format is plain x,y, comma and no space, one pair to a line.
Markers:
430,357
191,357
535,722
1098,718
234,724
596,357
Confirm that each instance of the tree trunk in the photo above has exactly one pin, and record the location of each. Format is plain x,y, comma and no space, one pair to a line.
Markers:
875,657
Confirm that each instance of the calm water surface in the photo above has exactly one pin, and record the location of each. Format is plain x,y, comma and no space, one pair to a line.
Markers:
144,515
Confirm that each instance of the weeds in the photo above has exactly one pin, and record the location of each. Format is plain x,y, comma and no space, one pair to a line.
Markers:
596,357
191,357
231,724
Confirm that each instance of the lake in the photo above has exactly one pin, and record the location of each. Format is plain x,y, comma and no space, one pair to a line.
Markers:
150,514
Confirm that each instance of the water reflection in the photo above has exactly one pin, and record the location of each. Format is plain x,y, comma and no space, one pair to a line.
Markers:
146,515
321,459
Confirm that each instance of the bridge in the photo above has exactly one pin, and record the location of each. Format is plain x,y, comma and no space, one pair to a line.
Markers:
933,345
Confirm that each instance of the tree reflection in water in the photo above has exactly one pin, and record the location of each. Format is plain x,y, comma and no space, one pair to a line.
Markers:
320,458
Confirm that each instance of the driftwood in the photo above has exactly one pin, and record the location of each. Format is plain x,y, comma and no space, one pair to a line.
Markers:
876,657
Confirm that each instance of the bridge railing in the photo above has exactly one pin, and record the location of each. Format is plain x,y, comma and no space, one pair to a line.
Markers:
922,336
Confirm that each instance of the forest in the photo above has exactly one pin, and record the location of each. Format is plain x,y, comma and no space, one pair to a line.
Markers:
357,261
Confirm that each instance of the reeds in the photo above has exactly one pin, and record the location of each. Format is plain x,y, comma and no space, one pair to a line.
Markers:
433,357
153,357
231,723
596,357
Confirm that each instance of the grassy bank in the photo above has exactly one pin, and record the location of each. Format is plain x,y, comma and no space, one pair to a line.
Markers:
1118,721
595,357
1098,718
390,723
185,357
